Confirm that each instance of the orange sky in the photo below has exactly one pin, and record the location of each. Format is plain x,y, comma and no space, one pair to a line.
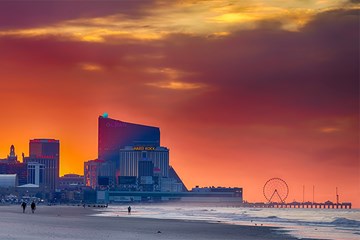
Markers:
242,92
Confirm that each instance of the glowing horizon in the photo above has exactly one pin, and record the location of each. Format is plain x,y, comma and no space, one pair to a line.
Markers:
242,91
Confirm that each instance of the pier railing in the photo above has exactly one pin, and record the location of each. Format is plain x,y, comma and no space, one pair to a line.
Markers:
328,205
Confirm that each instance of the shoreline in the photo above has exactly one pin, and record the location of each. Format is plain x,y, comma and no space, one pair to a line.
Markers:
76,222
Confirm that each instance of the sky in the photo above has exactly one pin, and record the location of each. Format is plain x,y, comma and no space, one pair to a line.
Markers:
243,91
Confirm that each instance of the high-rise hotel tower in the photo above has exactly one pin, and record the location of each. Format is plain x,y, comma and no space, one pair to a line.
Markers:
121,146
114,135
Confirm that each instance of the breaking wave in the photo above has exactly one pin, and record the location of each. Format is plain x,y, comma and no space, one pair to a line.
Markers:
344,222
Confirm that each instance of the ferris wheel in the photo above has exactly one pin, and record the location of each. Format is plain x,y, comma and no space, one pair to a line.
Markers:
275,190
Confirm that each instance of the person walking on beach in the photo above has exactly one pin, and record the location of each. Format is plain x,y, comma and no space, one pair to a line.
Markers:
23,205
33,207
129,210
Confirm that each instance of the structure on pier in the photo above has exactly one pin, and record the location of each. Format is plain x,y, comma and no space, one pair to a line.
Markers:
276,191
327,204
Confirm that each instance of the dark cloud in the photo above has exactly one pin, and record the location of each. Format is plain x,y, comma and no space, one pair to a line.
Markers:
49,51
274,75
266,75
24,14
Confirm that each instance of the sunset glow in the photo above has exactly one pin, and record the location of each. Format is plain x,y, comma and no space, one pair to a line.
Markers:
242,91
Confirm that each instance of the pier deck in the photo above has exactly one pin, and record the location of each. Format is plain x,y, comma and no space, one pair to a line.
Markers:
328,205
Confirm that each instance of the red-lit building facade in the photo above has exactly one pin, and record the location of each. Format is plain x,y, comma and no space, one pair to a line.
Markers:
114,135
46,152
99,172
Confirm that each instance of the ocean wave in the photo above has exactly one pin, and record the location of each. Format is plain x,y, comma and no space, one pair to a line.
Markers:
337,224
346,222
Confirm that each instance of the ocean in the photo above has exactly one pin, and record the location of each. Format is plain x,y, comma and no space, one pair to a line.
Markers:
336,224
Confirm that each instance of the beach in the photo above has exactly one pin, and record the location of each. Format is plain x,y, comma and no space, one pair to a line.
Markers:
76,222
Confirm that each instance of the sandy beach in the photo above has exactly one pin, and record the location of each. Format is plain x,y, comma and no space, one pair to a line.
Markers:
74,222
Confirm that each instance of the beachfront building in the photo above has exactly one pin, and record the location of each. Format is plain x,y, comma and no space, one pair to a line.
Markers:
221,195
121,145
114,135
35,173
71,181
130,156
15,168
99,173
148,164
11,165
8,180
170,185
47,153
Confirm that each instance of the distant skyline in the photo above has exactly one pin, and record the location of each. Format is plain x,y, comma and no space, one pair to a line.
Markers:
242,91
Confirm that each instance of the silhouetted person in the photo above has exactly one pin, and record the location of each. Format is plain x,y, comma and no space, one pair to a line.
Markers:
23,205
129,210
33,207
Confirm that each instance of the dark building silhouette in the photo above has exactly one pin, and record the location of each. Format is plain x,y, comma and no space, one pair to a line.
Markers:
11,165
121,145
114,135
12,157
19,169
173,174
71,181
46,152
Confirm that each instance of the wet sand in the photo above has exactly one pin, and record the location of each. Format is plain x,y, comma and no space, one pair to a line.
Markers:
75,222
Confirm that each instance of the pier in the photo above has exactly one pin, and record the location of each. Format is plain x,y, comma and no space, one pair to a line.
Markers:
327,205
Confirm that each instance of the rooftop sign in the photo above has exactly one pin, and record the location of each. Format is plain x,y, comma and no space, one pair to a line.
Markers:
144,148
